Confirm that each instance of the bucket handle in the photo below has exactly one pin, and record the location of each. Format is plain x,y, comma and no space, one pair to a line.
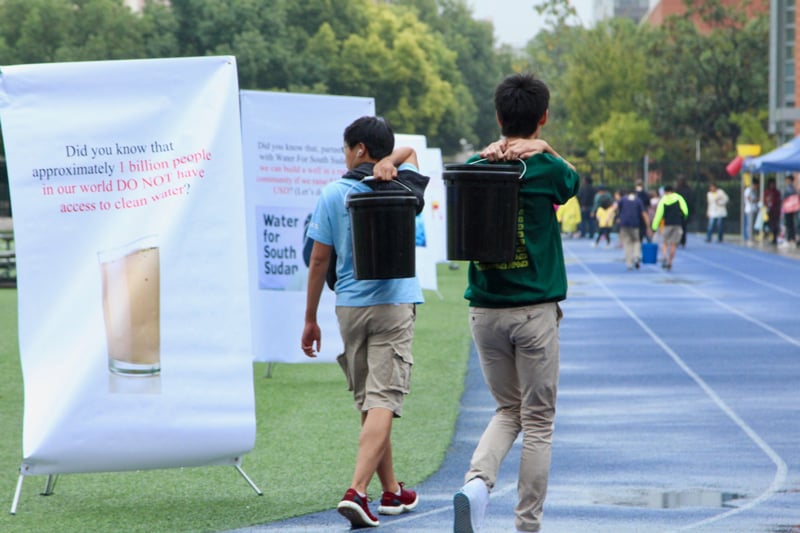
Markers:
524,166
406,187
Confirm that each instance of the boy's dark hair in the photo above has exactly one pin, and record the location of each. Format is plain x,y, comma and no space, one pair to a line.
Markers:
521,101
669,188
374,132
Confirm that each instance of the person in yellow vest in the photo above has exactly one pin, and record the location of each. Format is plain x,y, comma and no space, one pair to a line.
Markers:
605,214
569,216
672,209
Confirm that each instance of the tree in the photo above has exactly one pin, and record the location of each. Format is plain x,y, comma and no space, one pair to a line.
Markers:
411,74
625,137
706,77
159,28
547,57
605,73
752,127
36,31
254,31
479,66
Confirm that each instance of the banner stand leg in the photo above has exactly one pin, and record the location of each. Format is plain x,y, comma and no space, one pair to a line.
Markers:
50,485
268,373
16,494
246,478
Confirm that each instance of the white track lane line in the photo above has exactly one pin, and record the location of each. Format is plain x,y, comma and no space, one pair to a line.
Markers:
780,476
779,480
748,277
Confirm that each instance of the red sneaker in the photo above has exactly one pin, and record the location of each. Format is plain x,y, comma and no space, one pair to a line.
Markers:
393,504
355,508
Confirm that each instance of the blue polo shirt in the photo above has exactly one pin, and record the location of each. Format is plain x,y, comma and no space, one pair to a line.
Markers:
330,224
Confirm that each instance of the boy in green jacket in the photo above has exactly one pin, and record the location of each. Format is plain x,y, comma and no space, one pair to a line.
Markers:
514,313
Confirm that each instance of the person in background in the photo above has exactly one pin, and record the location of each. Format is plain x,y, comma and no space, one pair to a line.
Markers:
586,200
514,314
751,209
643,197
602,198
672,209
605,215
772,201
631,213
376,319
683,188
569,216
788,214
716,211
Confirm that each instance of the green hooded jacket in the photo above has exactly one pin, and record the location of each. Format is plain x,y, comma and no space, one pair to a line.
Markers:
537,274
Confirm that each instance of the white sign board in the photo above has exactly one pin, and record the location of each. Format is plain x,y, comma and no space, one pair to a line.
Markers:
292,148
134,326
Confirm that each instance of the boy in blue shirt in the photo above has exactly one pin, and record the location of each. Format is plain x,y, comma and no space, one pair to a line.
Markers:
376,319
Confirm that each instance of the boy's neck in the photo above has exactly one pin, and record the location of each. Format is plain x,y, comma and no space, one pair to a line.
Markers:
534,135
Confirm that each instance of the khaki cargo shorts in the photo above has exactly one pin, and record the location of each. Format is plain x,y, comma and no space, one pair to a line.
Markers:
377,356
672,234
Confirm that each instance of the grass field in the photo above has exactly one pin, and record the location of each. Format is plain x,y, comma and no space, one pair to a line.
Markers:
307,433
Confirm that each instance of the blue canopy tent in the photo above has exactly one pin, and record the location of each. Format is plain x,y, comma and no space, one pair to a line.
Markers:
785,158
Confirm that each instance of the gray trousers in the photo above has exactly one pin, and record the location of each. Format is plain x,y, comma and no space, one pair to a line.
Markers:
630,244
519,355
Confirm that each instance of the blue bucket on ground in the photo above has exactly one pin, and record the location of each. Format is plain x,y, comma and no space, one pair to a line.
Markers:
649,253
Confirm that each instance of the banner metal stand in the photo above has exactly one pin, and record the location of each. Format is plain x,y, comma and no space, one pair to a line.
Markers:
52,478
249,481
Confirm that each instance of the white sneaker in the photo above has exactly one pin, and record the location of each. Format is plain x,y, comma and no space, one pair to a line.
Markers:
469,506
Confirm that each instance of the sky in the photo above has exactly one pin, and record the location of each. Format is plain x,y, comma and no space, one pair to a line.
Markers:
515,21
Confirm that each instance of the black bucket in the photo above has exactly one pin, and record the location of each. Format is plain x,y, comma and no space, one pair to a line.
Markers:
382,226
482,211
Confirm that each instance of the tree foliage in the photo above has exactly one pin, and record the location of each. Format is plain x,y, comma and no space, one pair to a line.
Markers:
547,56
697,81
625,136
606,73
432,67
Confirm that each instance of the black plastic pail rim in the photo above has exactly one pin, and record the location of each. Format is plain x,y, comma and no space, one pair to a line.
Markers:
381,198
483,167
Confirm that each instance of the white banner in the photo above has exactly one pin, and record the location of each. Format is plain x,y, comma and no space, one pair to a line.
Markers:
292,147
134,326
429,227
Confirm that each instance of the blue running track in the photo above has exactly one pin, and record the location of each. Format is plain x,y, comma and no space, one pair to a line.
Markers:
678,410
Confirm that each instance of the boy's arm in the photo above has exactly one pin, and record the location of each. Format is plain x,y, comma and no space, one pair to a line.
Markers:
658,215
507,150
311,340
386,168
525,148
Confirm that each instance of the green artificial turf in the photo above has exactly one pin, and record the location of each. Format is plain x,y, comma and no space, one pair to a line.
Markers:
307,432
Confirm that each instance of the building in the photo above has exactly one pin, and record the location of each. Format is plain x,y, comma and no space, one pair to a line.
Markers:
662,9
784,117
632,9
